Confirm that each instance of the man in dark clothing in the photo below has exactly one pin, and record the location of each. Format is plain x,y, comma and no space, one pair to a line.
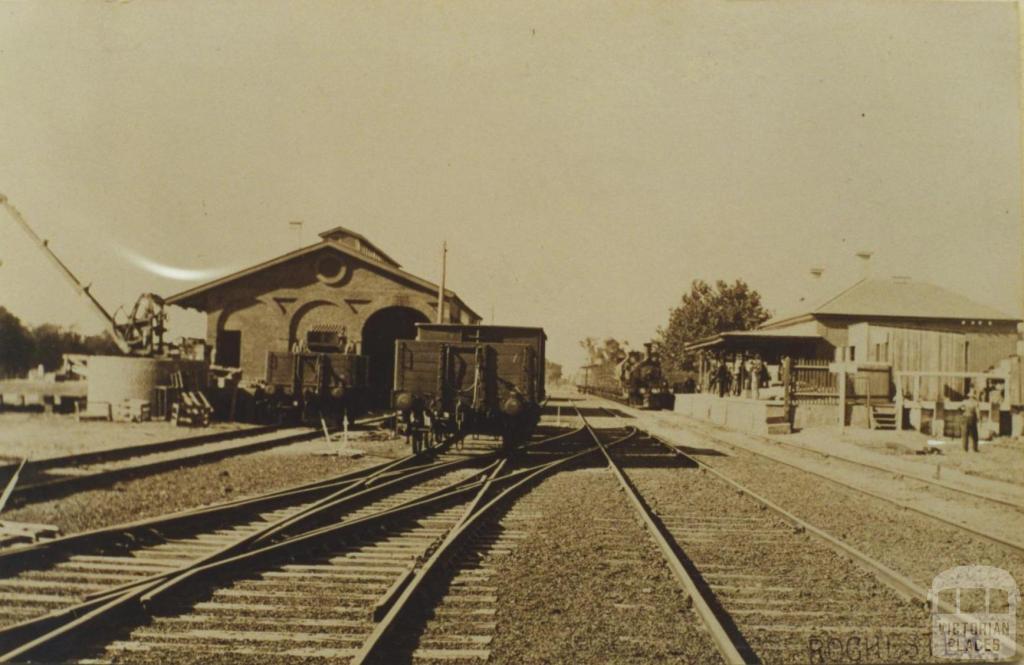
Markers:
970,421
722,377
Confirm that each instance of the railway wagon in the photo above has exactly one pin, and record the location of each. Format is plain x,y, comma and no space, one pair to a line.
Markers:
321,380
454,380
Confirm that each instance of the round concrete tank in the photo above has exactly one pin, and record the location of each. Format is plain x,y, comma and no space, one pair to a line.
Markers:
114,379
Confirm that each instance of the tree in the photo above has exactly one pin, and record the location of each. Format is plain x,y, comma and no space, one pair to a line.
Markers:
705,311
53,341
17,347
22,348
610,352
552,372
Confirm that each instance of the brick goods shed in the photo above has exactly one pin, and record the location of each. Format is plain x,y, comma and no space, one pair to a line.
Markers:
342,284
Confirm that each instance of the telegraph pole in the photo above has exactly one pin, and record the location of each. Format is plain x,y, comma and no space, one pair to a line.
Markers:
440,288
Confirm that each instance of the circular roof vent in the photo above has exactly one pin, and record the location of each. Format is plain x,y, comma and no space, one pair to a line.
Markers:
331,269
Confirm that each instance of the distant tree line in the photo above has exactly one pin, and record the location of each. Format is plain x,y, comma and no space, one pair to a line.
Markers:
610,352
22,347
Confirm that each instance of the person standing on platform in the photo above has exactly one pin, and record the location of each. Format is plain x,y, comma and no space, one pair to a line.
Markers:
970,408
756,368
737,375
722,376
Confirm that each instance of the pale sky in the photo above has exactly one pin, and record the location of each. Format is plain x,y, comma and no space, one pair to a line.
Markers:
584,161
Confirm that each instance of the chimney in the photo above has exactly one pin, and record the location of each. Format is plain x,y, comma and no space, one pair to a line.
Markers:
865,266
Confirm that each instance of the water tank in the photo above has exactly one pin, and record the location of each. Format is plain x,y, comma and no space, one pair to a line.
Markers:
114,379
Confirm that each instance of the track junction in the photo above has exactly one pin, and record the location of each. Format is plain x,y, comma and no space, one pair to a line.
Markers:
422,559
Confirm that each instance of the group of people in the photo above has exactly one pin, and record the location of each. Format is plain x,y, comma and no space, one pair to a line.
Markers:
742,375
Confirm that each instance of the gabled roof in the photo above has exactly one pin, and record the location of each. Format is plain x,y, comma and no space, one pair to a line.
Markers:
189,297
899,297
359,242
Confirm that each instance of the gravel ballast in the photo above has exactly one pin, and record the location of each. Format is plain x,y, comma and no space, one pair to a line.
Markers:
587,585
786,592
191,487
912,544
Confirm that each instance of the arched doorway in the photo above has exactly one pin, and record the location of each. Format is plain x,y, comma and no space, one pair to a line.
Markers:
379,335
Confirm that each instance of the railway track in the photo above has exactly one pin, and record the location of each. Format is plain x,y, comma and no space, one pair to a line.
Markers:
446,612
986,502
51,478
410,573
51,584
366,553
775,588
451,615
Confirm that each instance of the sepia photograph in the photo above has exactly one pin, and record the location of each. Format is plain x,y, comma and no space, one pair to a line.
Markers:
456,332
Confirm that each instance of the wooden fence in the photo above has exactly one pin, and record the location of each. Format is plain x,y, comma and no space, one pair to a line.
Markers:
813,382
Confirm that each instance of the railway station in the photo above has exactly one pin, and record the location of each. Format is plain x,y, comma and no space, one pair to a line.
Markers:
883,353
705,345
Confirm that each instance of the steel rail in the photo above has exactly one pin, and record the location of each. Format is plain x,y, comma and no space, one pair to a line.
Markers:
902,585
54,487
141,449
47,633
1016,547
20,632
357,492
981,496
145,600
433,568
391,596
116,534
138,449
730,646
56,634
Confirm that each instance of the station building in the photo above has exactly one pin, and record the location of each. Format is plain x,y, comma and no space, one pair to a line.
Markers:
881,346
343,285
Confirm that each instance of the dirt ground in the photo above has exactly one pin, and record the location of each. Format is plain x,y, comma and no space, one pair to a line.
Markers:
43,435
206,484
1001,459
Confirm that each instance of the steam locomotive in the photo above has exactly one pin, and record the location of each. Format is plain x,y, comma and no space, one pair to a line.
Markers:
643,382
638,380
454,380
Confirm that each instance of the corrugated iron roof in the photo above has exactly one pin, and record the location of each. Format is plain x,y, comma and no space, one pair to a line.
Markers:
900,298
187,298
